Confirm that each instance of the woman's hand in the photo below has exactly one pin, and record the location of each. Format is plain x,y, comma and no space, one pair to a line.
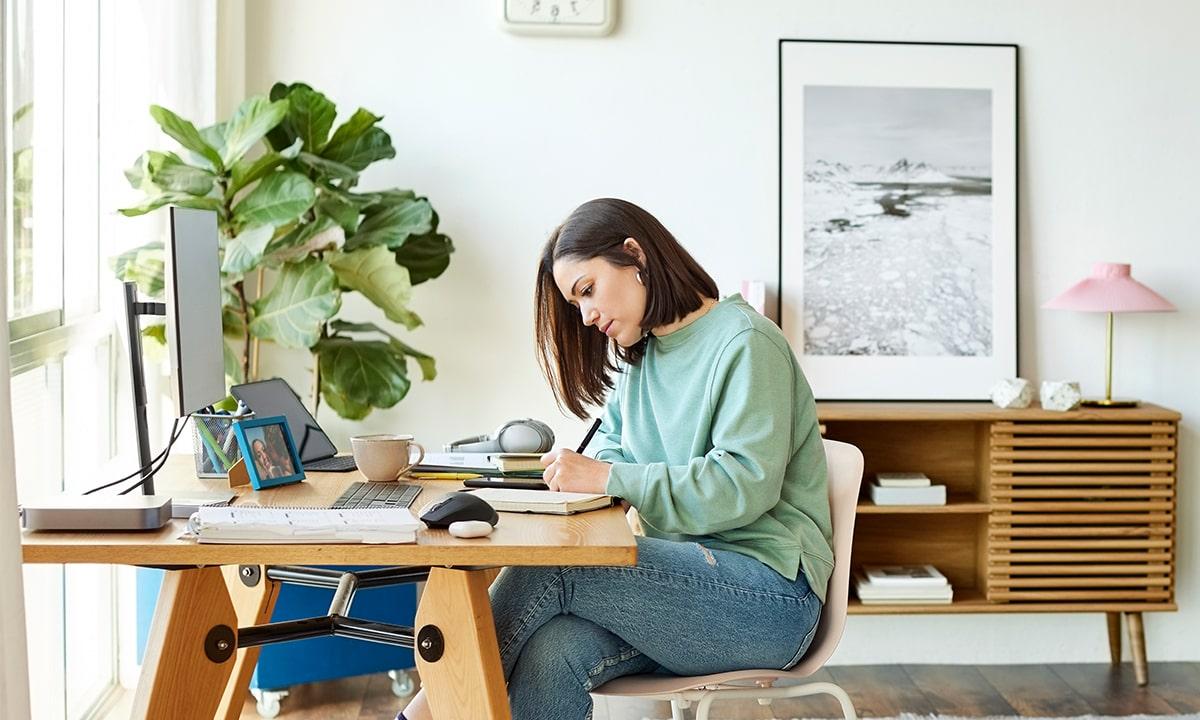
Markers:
568,471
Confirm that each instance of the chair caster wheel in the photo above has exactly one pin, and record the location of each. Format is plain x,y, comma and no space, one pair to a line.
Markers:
402,683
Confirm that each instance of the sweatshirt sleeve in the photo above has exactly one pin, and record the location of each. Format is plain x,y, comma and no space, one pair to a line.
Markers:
606,443
750,404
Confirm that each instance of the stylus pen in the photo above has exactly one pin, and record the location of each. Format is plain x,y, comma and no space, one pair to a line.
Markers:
588,438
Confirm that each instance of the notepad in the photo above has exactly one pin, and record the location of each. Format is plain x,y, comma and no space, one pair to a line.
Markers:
549,502
267,525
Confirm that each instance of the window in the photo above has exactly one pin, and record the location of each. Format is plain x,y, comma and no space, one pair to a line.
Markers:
78,78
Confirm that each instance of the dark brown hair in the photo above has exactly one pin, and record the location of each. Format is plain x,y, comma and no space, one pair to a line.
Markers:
576,360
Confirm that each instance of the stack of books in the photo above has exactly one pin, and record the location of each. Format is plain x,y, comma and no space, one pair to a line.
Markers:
902,585
906,488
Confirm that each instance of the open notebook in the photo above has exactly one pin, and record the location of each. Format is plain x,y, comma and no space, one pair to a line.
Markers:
253,525
549,502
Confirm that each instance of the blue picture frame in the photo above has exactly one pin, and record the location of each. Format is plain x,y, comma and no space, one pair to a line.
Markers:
269,451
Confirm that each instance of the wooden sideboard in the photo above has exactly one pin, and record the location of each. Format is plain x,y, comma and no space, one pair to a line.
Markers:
1046,511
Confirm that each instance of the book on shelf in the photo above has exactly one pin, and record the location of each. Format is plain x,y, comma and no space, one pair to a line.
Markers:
932,495
255,525
871,593
902,479
904,576
548,502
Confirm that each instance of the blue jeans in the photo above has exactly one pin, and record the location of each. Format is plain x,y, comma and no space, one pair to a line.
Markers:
683,609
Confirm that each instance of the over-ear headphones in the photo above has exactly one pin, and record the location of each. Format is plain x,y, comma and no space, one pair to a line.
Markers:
527,436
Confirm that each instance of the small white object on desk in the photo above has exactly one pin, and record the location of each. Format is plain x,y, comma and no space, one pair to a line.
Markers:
932,495
470,529
1012,393
1060,396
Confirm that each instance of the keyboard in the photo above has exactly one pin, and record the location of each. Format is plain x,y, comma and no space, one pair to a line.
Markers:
377,495
337,463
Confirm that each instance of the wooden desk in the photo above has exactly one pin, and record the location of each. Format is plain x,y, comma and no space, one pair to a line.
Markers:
182,678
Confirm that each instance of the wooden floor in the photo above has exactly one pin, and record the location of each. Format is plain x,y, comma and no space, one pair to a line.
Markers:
877,691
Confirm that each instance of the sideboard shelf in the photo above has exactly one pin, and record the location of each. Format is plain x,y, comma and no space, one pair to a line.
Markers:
1047,511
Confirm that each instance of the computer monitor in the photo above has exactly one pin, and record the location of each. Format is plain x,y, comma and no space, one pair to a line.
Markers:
195,340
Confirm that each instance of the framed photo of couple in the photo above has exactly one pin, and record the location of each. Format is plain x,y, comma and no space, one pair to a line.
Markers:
898,217
269,451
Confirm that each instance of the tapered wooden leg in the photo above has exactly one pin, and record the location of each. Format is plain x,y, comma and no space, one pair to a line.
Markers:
189,655
1114,637
1137,647
456,651
253,605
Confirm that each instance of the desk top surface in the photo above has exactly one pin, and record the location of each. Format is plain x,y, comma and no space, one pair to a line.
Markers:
599,537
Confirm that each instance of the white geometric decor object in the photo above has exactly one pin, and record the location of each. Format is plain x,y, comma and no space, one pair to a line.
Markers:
1060,395
1012,393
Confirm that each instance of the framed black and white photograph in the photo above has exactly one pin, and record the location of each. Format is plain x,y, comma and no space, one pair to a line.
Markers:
898,210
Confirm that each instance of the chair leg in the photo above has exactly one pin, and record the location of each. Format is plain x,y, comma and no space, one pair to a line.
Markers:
676,710
828,689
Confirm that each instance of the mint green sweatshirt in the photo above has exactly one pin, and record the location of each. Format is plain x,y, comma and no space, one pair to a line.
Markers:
713,437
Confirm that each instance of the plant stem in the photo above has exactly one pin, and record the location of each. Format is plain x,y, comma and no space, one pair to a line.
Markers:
241,291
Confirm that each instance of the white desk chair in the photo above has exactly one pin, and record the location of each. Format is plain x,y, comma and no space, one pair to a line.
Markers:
845,475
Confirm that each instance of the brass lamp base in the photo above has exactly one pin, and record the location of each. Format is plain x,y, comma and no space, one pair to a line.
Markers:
1110,402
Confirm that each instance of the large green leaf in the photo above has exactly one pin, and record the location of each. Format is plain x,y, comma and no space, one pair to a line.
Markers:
250,122
374,273
391,225
143,265
292,314
365,373
358,143
173,198
174,175
342,405
233,364
185,134
339,210
281,135
323,168
300,241
246,171
426,362
277,200
245,251
310,116
426,256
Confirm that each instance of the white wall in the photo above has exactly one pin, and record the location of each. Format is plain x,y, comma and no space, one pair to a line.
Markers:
677,112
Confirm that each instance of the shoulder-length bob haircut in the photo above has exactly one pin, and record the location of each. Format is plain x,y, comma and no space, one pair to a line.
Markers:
578,362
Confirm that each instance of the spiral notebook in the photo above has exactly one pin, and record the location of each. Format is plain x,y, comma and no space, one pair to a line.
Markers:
254,525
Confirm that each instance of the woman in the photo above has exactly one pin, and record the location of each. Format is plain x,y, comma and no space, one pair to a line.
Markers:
710,431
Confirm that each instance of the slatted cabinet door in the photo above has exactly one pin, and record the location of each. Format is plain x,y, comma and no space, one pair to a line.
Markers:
1082,511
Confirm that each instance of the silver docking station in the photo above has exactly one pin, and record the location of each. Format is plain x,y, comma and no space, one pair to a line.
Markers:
64,513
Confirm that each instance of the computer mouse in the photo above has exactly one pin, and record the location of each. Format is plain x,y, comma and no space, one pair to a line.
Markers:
458,506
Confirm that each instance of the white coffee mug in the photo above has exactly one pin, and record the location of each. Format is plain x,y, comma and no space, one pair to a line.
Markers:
384,458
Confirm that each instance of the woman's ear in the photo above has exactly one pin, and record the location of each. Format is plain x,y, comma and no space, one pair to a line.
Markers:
631,246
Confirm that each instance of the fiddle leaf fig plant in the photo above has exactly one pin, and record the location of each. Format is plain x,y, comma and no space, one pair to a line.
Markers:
283,181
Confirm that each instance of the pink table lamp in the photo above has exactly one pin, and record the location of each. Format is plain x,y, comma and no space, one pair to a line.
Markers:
1110,289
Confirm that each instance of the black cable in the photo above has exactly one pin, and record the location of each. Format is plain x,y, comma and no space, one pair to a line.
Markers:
144,468
163,455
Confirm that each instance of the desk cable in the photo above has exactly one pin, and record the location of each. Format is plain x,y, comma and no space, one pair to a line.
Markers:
156,463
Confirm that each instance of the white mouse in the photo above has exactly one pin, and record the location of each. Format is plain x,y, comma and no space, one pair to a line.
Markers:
470,528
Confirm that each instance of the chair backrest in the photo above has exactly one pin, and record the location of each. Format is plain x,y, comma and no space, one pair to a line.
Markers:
845,476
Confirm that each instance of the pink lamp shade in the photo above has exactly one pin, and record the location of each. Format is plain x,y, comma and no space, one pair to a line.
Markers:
1110,289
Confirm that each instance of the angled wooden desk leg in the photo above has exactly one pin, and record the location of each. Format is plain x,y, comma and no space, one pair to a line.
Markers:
253,604
190,651
456,649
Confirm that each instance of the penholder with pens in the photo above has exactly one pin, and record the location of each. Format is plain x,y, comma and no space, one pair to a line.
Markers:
214,443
